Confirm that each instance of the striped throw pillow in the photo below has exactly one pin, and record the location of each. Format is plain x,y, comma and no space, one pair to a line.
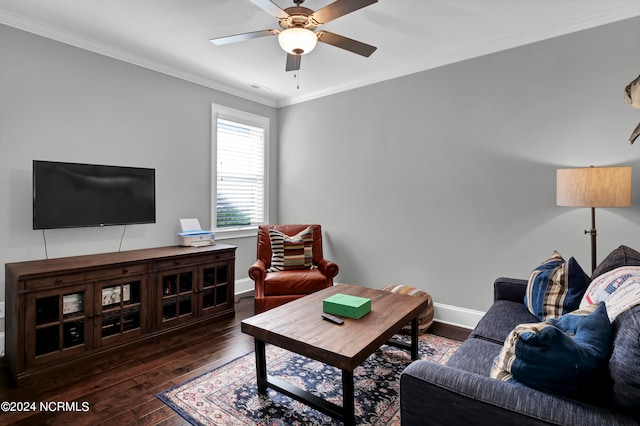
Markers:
555,287
291,252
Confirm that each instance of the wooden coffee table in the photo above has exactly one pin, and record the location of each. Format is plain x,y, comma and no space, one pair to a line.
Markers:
298,327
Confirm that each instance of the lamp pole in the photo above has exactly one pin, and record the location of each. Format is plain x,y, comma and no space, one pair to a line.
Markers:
593,234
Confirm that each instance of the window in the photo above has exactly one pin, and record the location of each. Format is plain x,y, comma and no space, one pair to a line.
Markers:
239,172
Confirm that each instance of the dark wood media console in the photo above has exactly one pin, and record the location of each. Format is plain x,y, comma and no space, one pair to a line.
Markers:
68,310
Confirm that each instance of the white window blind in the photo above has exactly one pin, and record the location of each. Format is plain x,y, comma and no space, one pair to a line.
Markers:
240,175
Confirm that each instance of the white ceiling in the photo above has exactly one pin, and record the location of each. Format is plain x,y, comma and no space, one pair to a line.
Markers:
172,36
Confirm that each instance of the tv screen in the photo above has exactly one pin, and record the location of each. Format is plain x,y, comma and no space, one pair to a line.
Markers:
69,195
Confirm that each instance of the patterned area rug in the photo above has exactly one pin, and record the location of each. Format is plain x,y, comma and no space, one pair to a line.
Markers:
228,395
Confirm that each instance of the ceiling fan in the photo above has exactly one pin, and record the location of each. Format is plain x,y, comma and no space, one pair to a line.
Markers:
297,35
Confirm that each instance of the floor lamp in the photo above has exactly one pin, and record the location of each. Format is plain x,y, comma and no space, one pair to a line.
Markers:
594,187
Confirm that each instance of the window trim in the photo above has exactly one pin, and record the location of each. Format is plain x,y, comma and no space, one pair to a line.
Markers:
243,117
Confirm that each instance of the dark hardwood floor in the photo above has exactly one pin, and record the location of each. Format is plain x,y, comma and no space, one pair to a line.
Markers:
121,389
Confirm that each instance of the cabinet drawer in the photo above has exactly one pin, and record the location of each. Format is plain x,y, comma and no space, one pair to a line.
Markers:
194,260
54,281
119,271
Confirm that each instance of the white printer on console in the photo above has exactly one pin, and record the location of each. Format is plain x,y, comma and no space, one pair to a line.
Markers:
193,235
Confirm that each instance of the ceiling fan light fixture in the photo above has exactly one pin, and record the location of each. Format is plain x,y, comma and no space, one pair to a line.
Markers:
297,41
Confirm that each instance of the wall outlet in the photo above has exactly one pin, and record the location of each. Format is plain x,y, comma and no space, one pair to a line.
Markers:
1,309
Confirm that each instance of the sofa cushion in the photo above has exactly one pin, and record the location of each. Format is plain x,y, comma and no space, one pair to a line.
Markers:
294,282
555,287
624,364
619,289
566,356
475,356
291,252
622,256
500,319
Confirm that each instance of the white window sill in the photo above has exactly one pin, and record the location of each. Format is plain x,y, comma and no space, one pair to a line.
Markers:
228,234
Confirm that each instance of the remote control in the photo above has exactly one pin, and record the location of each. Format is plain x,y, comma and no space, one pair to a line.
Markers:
332,319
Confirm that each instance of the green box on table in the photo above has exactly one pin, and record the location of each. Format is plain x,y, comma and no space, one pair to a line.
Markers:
346,305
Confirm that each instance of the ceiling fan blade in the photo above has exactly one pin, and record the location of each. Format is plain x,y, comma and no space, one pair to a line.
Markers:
346,43
293,62
271,8
242,37
339,8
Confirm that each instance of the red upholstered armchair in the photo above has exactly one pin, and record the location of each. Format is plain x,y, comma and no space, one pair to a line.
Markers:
279,287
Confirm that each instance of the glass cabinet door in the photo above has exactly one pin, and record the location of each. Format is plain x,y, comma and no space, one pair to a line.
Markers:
121,310
178,294
215,287
62,323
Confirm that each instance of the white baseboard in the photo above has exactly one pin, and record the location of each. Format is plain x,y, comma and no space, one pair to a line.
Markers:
244,288
454,315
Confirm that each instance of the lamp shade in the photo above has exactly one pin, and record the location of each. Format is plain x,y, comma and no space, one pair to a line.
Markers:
594,187
297,41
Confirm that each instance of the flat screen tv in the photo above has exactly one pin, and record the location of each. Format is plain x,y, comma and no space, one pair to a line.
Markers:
70,195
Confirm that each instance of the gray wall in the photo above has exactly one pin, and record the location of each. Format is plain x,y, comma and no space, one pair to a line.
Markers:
62,103
445,179
442,180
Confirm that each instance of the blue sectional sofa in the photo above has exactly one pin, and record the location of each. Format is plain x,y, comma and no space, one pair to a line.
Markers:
463,393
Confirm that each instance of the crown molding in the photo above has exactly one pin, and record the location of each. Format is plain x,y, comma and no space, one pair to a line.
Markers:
62,36
630,10
616,14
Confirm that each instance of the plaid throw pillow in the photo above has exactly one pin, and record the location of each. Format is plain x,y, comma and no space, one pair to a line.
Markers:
555,287
291,252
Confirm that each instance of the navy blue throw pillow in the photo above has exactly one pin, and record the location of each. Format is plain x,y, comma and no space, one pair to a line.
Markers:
566,356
